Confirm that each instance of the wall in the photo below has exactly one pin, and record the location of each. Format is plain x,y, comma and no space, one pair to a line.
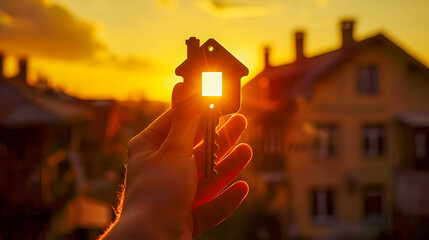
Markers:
336,100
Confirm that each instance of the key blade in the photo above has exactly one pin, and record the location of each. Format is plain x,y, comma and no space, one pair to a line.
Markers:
210,120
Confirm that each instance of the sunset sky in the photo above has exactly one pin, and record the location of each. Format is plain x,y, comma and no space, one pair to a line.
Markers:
130,48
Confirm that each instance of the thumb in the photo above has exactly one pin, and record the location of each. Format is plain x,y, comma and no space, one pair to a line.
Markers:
185,121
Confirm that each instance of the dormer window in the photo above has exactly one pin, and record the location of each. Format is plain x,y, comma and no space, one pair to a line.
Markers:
368,79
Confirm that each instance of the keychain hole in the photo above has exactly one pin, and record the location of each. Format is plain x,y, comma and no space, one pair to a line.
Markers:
211,48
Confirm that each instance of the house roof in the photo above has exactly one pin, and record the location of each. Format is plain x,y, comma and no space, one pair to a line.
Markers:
218,55
290,80
21,105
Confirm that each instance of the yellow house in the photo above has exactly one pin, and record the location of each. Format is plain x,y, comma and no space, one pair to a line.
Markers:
327,133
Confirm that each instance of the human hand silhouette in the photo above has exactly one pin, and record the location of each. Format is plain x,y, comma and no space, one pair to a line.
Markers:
164,197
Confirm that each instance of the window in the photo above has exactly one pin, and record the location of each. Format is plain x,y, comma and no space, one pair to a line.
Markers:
421,145
326,142
374,140
368,79
374,204
271,155
323,202
273,140
421,148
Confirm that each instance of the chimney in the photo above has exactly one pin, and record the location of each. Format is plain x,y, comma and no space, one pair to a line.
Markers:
267,57
347,32
193,44
299,45
22,65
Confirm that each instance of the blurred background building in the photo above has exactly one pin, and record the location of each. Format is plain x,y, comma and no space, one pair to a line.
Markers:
61,158
340,139
341,142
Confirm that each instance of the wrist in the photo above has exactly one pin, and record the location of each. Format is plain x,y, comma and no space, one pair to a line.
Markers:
149,223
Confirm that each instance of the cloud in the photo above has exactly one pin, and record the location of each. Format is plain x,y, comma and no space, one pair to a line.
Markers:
39,28
241,8
128,63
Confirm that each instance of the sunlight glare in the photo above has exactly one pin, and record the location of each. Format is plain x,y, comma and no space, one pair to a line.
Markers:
212,84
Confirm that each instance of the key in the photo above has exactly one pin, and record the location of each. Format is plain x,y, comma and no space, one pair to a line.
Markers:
214,74
209,121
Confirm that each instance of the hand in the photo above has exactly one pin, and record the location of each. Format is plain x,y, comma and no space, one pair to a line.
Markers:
164,197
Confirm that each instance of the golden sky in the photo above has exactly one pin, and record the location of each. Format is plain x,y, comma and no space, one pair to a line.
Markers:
130,48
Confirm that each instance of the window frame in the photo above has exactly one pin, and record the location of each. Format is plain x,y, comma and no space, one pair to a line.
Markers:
381,139
273,140
420,147
321,216
381,216
331,144
368,85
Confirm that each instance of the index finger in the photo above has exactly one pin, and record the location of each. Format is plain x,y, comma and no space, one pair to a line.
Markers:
153,135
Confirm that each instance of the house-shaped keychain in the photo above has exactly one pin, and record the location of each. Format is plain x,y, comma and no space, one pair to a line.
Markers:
215,74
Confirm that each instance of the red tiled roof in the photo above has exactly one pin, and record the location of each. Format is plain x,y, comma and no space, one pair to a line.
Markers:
290,80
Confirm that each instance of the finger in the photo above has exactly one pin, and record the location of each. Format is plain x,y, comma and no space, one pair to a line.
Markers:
214,212
152,136
227,170
229,134
198,136
184,122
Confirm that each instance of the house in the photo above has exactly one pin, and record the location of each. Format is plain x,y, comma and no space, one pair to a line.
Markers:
333,135
223,71
50,158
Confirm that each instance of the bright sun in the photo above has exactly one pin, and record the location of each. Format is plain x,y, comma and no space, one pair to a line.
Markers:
212,84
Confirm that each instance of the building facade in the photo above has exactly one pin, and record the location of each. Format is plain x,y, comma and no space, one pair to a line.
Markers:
52,161
332,132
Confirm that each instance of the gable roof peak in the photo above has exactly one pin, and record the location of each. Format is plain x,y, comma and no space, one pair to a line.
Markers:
209,52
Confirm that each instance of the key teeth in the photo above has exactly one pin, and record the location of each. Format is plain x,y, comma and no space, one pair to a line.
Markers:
210,155
215,149
215,173
216,146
